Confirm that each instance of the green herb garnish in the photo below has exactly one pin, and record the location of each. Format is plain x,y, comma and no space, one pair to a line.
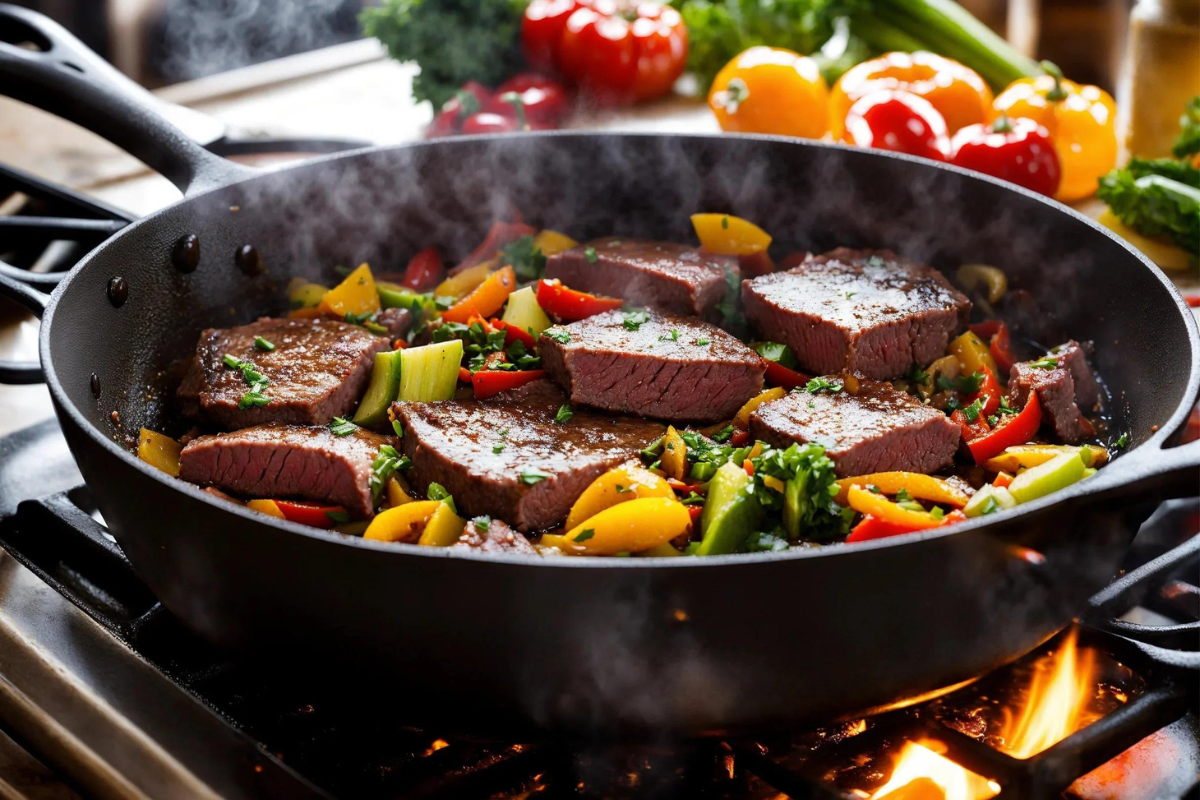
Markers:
526,258
386,463
817,385
1122,442
564,414
589,253
342,427
483,523
398,428
337,517
263,344
972,411
533,475
584,535
1049,362
558,334
438,492
497,449
632,320
673,336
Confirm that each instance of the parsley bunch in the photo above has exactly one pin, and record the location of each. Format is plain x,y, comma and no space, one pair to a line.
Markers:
526,259
810,486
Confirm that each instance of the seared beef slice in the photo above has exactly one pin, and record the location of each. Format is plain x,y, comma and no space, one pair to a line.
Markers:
866,311
670,368
876,430
513,462
278,460
675,278
316,372
1057,389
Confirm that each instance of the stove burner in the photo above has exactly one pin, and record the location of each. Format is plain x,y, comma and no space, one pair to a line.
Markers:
281,734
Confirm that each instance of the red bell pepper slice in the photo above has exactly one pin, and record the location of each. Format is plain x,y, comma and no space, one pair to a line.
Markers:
424,270
694,512
740,438
1014,429
513,334
779,375
990,391
500,234
1001,347
313,514
987,329
570,305
1002,480
970,430
872,528
491,382
464,374
680,486
755,264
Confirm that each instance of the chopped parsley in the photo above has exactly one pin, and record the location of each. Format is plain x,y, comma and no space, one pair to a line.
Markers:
873,489
584,535
398,428
952,405
850,294
519,356
729,303
533,475
357,319
972,411
673,336
262,344
623,489
967,384
723,435
439,492
632,320
725,221
255,397
558,334
874,261
564,414
817,385
386,463
993,420
1005,408
1049,362
589,253
483,523
342,427
917,375
526,258
779,353
702,342
337,517
478,342
693,499
1122,441
497,449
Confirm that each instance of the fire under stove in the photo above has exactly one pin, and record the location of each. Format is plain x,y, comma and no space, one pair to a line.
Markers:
99,682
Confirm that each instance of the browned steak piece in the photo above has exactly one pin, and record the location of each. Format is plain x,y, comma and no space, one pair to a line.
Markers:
396,320
671,368
1072,356
876,430
494,537
277,460
512,461
866,311
1056,391
316,372
675,278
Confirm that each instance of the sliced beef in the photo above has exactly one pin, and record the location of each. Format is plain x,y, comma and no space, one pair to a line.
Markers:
675,278
866,311
1072,356
316,372
671,368
512,461
1056,392
396,320
277,460
494,537
878,429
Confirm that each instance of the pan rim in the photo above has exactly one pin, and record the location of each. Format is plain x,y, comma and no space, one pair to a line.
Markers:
1105,478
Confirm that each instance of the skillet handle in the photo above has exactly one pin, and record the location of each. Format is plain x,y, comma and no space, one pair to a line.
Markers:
44,65
1161,473
20,373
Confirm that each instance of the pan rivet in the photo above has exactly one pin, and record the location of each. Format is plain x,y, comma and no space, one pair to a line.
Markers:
248,260
95,383
118,291
185,255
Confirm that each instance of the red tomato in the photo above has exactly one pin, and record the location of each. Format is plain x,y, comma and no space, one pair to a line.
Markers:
487,122
542,31
898,121
424,270
470,99
1016,150
546,101
623,51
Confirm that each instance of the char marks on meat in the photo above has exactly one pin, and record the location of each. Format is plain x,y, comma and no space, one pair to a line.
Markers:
878,429
1057,390
277,460
672,368
316,372
495,537
865,311
513,461
674,278
1072,356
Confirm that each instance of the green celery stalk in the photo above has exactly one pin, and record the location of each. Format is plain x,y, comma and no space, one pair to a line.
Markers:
384,386
430,373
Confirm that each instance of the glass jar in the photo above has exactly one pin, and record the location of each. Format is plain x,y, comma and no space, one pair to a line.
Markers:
1162,72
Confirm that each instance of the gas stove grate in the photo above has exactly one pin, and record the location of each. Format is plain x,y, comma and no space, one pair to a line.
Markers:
333,742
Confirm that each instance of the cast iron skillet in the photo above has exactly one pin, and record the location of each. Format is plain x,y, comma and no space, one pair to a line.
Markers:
690,645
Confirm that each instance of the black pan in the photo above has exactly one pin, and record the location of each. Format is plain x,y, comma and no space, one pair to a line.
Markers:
693,645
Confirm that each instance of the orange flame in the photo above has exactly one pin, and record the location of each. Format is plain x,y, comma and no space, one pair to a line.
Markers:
923,774
1056,704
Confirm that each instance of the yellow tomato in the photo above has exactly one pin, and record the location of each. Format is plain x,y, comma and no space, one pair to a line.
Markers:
629,527
159,451
619,485
727,235
771,90
958,93
1081,121
354,295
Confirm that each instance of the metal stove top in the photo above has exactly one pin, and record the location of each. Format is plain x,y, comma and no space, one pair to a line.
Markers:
107,689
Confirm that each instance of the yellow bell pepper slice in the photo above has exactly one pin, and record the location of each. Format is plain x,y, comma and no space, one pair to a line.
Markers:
974,354
159,451
743,415
303,294
402,523
268,507
443,528
465,282
398,492
354,295
552,242
620,485
924,487
674,455
878,506
629,527
664,550
727,235
1026,455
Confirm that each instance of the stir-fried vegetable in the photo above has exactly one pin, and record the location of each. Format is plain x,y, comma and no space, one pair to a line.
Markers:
731,512
972,353
491,382
1013,429
924,487
569,305
867,502
1057,473
809,488
727,235
430,373
443,528
524,313
383,389
629,527
355,295
403,523
742,419
485,299
159,451
619,485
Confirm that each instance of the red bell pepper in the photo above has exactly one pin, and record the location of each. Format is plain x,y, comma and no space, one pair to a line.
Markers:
740,439
1001,348
313,514
424,270
500,234
1013,429
491,382
694,512
970,430
872,528
990,391
513,334
1002,480
755,264
569,305
464,374
779,375
681,486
